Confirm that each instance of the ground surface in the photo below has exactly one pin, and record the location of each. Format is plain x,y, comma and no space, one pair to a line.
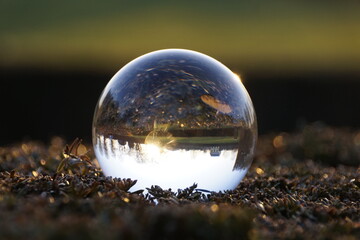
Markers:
301,186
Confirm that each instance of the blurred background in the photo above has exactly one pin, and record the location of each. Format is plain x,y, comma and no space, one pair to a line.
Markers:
299,60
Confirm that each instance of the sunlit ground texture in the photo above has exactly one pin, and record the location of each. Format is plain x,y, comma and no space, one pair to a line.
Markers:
302,185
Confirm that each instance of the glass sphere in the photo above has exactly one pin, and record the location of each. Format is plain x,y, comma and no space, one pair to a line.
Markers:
173,118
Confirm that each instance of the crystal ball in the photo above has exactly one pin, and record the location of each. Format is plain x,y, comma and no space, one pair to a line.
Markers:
173,118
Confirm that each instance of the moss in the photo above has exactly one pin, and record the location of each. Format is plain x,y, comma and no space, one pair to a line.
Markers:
289,193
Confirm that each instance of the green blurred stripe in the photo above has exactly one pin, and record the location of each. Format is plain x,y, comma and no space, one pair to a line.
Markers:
263,34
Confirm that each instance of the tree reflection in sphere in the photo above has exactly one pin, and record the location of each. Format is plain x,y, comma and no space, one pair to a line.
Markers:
173,118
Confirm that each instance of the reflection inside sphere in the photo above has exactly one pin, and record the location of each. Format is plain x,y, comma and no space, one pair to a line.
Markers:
174,117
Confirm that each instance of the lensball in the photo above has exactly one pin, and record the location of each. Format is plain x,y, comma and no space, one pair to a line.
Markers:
172,118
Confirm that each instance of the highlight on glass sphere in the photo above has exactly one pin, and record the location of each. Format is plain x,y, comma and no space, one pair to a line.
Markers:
173,118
